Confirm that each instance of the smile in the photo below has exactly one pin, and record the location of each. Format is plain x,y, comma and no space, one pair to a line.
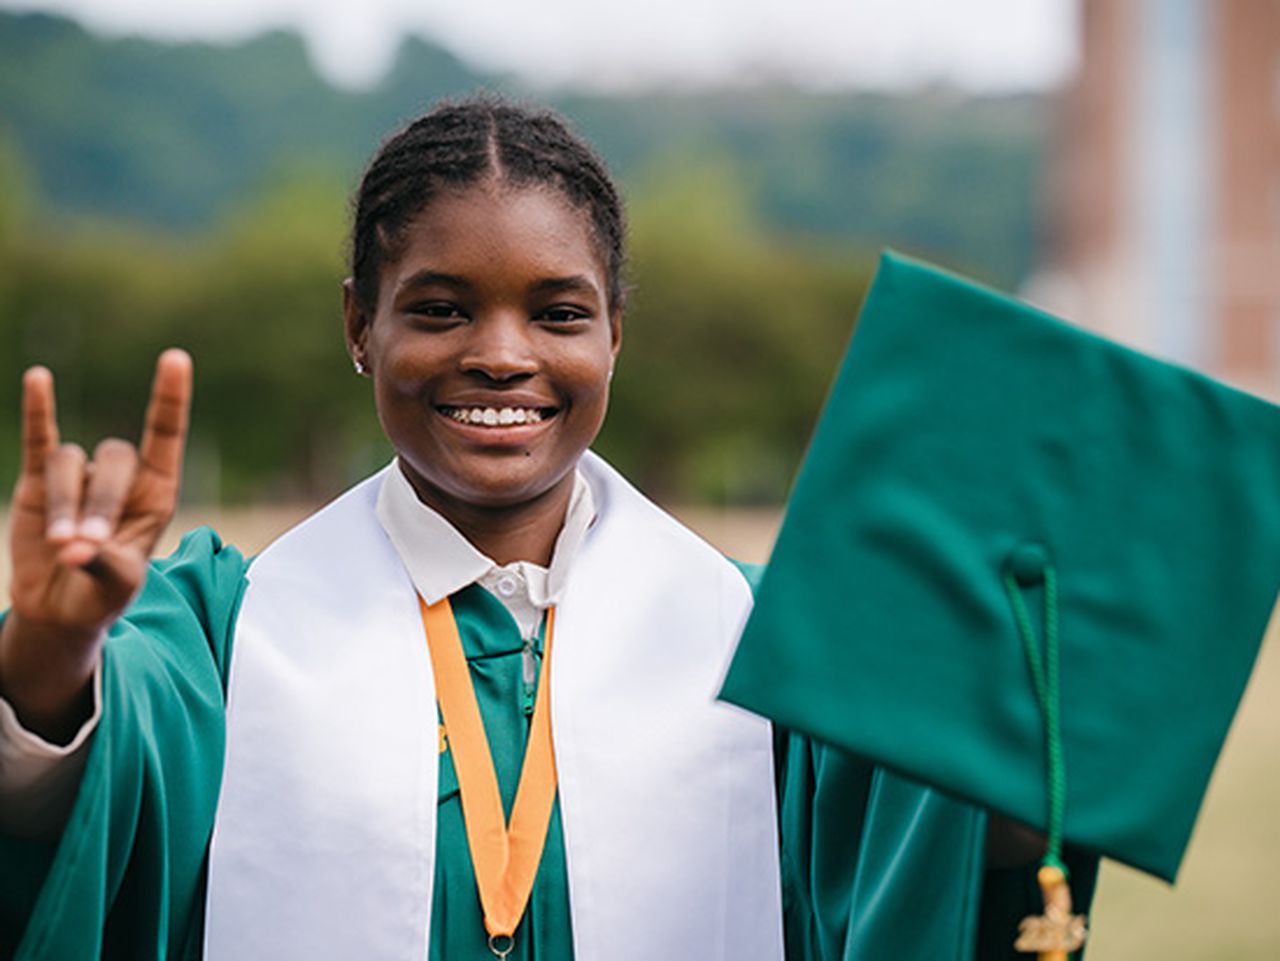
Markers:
498,416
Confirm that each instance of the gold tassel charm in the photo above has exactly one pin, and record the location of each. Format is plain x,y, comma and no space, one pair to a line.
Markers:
1057,932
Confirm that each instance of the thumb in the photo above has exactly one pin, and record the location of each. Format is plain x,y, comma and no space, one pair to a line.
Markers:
118,569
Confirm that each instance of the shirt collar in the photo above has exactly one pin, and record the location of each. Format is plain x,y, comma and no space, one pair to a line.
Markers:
441,561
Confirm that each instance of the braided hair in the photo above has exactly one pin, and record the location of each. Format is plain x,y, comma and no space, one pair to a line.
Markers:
463,142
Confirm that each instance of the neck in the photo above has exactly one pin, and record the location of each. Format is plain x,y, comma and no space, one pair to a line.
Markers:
507,533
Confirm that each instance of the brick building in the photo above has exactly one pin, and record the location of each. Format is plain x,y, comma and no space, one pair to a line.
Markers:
1164,194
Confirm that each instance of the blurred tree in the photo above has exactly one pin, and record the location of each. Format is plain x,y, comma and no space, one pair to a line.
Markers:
17,196
16,206
256,301
172,133
731,337
279,409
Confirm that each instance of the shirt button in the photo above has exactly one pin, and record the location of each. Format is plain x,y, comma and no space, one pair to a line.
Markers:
507,585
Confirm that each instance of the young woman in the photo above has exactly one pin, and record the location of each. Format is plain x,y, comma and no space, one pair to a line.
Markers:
289,757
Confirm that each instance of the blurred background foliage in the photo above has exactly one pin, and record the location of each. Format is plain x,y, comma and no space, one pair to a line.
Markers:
196,194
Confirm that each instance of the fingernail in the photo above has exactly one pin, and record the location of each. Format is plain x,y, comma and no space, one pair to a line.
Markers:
62,529
95,529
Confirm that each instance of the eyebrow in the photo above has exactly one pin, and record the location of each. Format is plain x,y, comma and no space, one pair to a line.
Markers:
427,278
577,282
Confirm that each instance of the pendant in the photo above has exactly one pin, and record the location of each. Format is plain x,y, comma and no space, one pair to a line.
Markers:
1057,932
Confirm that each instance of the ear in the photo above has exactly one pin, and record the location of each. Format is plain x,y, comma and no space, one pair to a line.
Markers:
615,332
356,321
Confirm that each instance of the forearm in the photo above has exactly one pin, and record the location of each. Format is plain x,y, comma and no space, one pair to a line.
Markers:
46,675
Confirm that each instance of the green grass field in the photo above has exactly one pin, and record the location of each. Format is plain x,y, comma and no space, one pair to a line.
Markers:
1226,906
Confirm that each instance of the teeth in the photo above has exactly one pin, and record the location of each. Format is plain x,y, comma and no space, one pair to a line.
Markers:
494,416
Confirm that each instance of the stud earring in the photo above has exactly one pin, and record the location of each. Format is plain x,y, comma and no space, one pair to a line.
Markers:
359,366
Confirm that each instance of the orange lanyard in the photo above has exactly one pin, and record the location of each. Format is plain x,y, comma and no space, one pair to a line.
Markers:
505,857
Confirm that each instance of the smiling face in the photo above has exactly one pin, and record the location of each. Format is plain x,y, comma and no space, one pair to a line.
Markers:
490,347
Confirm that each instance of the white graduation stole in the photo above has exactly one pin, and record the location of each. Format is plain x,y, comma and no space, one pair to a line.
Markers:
325,837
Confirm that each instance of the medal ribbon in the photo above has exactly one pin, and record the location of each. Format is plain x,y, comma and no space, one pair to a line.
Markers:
505,856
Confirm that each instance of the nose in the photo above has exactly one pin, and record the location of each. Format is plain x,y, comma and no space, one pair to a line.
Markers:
500,348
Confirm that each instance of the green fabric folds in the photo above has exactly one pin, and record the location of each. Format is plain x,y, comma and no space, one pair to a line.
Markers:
874,866
126,879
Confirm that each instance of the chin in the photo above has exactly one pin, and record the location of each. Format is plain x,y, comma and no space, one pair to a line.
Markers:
499,483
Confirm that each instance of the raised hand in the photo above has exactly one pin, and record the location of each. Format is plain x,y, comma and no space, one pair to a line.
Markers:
81,533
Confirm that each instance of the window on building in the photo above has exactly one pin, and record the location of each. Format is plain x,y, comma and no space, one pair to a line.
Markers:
1275,209
1272,387
1275,83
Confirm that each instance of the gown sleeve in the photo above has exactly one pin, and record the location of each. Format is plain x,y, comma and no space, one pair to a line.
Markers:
125,878
875,865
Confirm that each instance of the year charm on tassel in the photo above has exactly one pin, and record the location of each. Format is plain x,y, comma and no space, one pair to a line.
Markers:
1057,932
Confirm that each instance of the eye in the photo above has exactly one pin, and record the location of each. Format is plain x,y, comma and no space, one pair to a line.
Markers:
563,314
435,308
436,311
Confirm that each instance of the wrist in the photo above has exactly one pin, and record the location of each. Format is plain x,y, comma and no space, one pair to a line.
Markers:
46,674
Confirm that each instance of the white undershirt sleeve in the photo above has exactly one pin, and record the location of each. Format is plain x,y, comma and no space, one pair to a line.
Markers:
38,779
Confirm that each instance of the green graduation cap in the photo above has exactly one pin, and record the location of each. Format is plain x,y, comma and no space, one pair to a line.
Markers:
1020,561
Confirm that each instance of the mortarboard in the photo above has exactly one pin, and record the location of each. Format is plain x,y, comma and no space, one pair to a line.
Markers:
996,504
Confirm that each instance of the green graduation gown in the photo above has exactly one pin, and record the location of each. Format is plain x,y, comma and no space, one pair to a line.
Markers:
873,866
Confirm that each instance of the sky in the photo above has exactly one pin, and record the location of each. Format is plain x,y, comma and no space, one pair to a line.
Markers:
982,45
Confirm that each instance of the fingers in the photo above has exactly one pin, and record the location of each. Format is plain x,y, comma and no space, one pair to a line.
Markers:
39,420
117,568
85,501
84,504
164,433
64,485
111,477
